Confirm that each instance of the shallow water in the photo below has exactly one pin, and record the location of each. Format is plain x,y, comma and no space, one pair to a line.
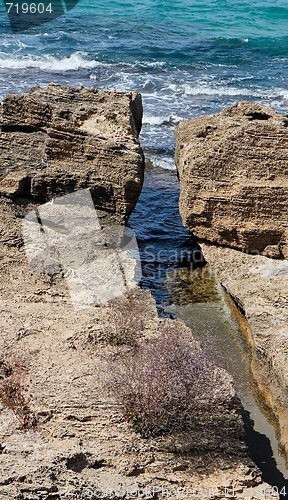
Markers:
220,337
160,234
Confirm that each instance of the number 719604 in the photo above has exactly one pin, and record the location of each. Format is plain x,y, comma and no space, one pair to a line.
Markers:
28,8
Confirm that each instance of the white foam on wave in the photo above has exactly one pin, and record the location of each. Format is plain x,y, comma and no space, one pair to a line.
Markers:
169,120
127,66
48,63
215,91
167,163
207,90
152,64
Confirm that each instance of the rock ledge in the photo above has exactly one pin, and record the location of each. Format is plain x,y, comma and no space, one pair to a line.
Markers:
233,171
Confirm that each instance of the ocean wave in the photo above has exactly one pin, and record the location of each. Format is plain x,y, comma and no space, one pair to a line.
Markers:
166,163
48,63
151,64
206,90
137,65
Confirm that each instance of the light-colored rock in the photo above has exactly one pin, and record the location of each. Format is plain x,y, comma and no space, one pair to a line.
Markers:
233,172
60,139
81,443
81,447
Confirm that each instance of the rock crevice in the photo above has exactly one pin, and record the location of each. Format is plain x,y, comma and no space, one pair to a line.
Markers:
233,170
81,446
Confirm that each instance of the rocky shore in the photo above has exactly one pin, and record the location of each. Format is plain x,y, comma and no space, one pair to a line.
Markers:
62,435
259,287
234,190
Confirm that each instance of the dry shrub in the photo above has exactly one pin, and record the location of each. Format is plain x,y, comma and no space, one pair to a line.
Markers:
162,384
12,378
126,320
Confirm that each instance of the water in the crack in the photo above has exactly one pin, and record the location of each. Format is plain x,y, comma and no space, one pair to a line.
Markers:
168,255
164,243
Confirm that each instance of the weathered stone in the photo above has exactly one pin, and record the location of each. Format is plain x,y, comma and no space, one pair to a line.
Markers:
82,443
15,184
64,139
233,173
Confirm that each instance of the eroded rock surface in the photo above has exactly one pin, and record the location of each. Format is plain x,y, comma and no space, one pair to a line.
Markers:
81,445
233,172
63,436
59,139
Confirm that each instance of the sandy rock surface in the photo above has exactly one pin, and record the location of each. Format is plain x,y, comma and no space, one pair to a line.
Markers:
63,436
81,447
234,178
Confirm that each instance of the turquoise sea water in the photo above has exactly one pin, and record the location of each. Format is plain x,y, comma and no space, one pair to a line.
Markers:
186,57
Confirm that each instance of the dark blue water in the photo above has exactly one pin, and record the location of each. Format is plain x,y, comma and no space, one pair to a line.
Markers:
164,244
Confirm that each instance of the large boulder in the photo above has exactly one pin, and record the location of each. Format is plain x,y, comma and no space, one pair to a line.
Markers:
233,173
57,139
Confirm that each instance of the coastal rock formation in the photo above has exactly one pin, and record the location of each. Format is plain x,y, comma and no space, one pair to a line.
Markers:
233,172
259,286
62,434
59,139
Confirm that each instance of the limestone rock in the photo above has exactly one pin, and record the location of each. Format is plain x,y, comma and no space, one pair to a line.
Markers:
82,445
233,173
61,139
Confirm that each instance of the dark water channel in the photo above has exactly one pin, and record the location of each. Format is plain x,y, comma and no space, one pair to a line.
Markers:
171,264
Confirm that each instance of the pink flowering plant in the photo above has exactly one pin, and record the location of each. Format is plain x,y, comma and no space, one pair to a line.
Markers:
162,383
